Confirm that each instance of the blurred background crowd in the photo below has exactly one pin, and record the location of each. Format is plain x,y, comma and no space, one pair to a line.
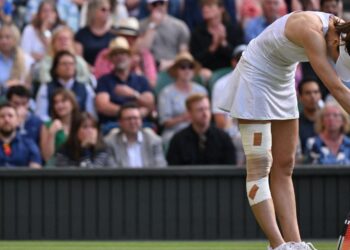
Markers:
134,83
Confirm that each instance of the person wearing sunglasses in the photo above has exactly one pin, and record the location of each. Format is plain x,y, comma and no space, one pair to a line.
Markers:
171,100
96,35
163,34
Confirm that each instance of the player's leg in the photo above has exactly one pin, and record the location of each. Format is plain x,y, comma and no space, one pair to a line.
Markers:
284,143
256,139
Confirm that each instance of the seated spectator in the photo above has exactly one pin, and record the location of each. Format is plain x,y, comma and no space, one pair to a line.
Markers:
15,64
306,5
223,120
67,9
172,112
270,12
200,143
96,35
192,14
84,147
40,30
143,62
133,146
121,86
16,150
64,112
331,146
163,34
29,124
311,102
212,42
247,10
5,11
62,39
63,73
331,6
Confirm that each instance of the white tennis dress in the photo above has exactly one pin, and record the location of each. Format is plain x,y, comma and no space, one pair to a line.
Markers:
262,86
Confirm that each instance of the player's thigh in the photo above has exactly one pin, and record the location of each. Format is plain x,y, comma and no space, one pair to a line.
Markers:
284,142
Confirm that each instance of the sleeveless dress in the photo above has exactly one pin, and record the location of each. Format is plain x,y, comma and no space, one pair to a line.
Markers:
262,86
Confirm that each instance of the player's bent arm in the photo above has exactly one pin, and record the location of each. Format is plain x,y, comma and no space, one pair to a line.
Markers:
316,50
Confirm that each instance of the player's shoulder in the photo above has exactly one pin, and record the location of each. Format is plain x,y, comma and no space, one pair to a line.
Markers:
305,19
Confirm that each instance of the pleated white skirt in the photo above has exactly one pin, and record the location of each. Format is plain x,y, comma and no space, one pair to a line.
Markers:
255,95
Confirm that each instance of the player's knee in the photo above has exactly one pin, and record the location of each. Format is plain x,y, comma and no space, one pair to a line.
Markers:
258,191
256,139
258,164
284,165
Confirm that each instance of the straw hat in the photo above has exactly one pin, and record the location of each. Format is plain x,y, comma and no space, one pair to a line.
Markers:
119,44
128,26
183,57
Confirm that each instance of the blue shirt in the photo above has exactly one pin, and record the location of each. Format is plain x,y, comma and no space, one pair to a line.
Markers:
5,70
317,152
32,128
23,151
7,8
254,27
107,83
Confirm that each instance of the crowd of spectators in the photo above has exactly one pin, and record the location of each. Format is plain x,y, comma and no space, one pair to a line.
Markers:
134,83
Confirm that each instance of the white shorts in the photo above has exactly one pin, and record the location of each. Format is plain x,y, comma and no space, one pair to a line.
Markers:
254,95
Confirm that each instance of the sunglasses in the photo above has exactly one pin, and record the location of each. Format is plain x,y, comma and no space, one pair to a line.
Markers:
186,66
157,3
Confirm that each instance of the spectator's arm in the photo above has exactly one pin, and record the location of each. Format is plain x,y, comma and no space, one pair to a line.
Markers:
146,40
149,67
220,120
229,150
173,155
35,156
42,103
145,99
47,139
160,160
90,101
105,106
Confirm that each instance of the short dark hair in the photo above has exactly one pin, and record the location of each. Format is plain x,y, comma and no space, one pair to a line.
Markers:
57,59
7,105
130,105
305,81
19,90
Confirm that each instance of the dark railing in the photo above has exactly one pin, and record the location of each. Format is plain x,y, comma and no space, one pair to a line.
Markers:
173,203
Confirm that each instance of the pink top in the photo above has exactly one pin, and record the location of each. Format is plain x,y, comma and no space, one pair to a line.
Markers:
143,63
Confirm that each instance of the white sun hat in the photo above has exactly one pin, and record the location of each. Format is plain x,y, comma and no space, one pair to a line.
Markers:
342,65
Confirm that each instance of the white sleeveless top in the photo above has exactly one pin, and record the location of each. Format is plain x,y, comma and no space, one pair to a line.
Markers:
262,86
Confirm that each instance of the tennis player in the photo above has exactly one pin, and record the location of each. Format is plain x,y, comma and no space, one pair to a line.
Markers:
262,96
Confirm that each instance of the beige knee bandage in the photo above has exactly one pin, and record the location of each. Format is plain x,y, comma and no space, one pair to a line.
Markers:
257,140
